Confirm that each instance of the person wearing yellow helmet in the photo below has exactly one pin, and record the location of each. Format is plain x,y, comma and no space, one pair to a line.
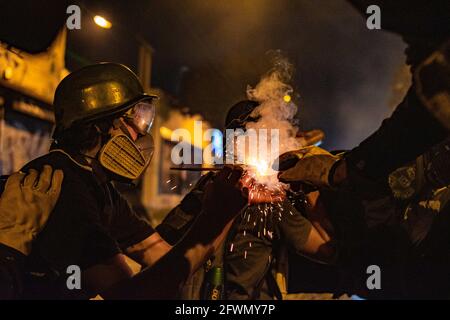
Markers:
102,134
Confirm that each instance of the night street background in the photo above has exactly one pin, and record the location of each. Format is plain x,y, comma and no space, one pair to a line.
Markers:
207,52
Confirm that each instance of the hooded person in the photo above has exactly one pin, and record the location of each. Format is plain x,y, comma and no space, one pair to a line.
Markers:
249,255
103,122
255,249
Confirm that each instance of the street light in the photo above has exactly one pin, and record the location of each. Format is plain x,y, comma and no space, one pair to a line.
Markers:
102,22
144,55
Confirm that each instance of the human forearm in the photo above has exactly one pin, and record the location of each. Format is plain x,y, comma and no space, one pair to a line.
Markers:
161,281
409,132
223,200
149,251
164,279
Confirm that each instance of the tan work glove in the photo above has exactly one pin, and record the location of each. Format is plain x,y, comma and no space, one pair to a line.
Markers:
313,166
25,206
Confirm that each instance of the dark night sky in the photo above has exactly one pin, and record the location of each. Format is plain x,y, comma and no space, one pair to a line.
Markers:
207,52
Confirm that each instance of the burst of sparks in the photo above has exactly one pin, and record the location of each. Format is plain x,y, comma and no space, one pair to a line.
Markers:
262,168
265,191
261,181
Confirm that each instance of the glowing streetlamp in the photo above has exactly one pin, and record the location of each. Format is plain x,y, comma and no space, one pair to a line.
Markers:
102,22
145,52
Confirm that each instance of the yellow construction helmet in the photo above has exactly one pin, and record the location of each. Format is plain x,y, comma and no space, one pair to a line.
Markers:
95,92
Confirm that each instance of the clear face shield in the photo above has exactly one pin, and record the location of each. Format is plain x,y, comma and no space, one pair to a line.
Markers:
128,156
141,117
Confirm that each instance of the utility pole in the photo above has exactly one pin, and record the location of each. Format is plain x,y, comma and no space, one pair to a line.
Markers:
145,62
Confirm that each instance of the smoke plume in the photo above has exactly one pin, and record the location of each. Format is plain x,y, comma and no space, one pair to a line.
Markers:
276,110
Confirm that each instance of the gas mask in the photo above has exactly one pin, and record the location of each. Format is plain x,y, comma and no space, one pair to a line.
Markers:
121,155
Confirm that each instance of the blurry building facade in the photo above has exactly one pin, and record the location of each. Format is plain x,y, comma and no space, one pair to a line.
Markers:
27,85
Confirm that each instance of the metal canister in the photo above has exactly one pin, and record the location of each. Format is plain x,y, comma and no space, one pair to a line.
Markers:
214,286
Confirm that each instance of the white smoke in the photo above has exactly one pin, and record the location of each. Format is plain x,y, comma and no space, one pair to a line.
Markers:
276,110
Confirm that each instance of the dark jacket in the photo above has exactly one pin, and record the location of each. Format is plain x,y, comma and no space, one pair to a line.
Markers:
408,133
251,247
11,273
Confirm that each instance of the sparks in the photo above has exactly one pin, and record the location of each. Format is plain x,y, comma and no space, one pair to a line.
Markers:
262,181
261,167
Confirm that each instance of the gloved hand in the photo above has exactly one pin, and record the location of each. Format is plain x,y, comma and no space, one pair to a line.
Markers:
313,165
222,201
311,137
26,204
224,197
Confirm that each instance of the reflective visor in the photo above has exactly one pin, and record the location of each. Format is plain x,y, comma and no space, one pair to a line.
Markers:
141,116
